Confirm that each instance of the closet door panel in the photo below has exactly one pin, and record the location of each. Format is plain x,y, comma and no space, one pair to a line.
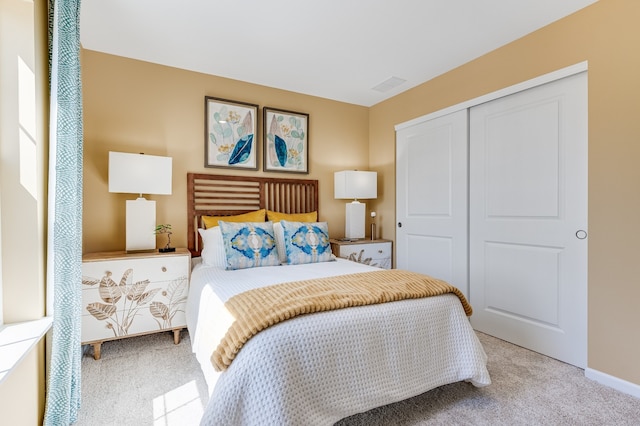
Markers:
431,179
523,163
528,200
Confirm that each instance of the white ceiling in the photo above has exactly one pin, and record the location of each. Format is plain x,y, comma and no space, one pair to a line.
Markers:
335,49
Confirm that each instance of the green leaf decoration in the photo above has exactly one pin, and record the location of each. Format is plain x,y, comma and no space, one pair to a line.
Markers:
213,138
217,127
295,134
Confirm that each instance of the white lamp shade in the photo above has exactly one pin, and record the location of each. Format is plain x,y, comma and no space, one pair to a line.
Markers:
355,184
139,173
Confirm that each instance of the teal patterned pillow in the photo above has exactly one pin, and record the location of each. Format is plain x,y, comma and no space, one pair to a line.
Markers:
249,244
306,242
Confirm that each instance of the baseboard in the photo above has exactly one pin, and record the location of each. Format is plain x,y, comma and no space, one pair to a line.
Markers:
613,382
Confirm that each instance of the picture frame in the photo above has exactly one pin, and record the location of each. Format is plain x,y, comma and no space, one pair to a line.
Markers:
285,137
230,134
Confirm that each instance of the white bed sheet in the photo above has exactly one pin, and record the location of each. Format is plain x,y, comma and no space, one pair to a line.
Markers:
319,368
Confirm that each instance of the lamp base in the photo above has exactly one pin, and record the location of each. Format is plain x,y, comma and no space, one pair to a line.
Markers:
354,220
140,225
167,250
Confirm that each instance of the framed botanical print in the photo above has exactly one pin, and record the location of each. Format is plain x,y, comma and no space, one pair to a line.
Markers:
230,134
285,141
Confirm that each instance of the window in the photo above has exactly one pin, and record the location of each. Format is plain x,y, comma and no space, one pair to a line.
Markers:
23,145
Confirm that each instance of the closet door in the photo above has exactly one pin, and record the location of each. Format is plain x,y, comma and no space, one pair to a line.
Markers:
431,204
528,218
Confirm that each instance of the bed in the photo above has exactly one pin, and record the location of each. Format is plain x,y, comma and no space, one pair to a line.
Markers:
318,368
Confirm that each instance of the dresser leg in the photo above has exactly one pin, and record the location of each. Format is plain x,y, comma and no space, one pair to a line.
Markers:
176,336
96,350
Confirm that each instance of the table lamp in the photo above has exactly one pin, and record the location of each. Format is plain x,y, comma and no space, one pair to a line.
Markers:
355,184
140,174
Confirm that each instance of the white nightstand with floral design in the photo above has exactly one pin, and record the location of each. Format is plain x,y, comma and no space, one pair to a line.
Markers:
371,252
130,294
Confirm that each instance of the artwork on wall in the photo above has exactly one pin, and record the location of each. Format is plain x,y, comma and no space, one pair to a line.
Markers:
286,141
230,134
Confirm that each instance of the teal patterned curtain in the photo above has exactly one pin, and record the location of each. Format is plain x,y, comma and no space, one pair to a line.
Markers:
64,260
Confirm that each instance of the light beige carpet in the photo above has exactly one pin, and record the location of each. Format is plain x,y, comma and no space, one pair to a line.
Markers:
144,380
150,381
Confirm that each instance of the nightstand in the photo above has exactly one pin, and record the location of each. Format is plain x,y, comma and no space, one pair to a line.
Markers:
130,294
370,252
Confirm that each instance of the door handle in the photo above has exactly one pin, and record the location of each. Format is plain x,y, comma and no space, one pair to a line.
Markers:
581,234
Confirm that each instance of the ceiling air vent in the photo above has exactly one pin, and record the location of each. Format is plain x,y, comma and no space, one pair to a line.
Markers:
389,84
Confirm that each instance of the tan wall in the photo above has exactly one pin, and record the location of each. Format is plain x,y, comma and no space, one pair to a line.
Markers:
135,106
23,148
608,36
22,397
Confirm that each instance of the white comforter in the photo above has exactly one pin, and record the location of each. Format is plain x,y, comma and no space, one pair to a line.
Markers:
317,369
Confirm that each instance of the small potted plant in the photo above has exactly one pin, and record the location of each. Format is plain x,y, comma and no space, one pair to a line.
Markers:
165,229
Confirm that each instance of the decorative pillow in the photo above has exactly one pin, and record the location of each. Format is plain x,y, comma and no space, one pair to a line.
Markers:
256,216
249,244
292,217
306,242
213,247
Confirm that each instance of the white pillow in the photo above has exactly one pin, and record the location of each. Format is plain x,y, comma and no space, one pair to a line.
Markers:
213,247
279,233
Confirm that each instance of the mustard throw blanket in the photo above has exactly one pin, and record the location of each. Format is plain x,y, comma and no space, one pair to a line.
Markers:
257,309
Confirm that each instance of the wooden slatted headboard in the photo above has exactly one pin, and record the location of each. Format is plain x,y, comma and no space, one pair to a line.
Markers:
220,195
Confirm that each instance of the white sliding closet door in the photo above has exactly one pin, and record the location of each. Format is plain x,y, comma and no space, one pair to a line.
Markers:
431,205
528,218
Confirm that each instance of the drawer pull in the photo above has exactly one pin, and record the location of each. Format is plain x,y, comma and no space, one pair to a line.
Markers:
164,269
380,251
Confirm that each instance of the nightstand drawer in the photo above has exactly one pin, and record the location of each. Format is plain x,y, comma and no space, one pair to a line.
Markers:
160,313
375,253
154,269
